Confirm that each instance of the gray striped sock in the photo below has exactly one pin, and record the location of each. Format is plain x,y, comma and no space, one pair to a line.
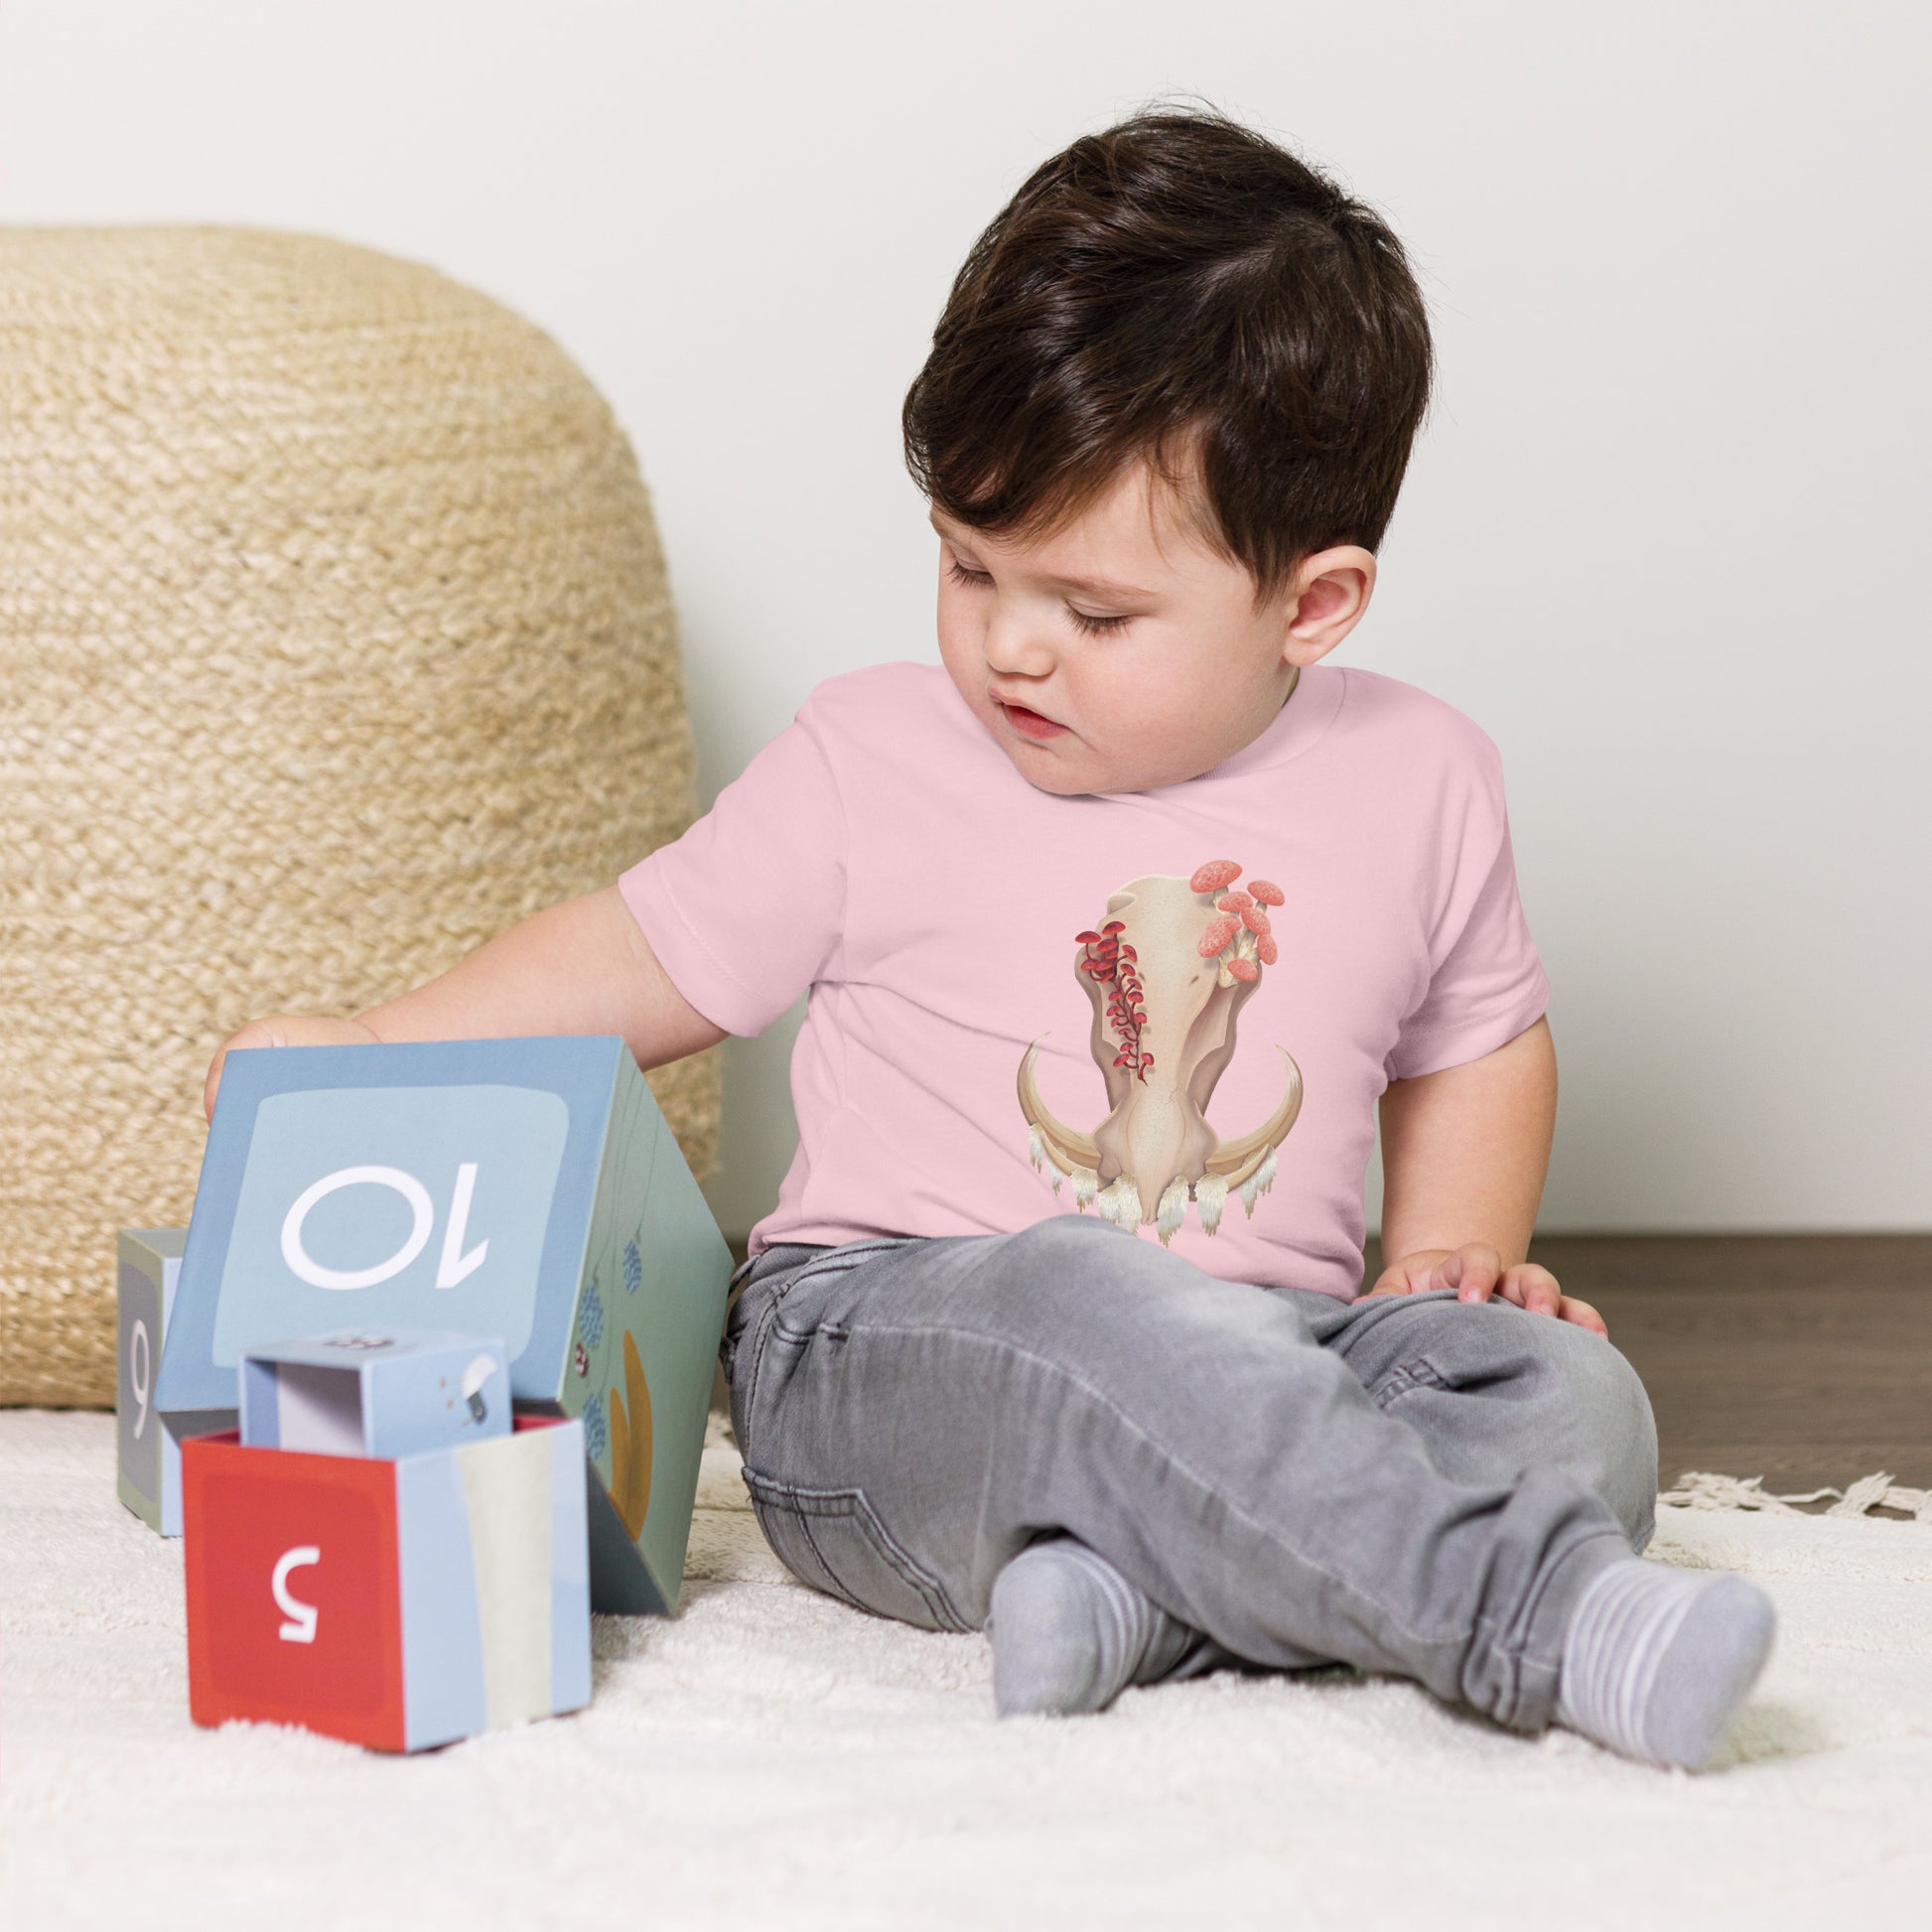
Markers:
1656,1662
1069,1633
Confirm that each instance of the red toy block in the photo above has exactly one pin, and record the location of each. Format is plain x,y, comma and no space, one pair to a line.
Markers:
274,1632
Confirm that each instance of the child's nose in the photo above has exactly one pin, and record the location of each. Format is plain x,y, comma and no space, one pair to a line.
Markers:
1015,646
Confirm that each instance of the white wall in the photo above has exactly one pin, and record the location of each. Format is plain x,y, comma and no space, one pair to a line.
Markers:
1665,537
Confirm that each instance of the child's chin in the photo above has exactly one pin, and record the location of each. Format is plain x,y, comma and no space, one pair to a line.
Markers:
1067,777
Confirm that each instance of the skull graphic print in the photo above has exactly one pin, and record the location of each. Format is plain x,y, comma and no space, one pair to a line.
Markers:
1168,970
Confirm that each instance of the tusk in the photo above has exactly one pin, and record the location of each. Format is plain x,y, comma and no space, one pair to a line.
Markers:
1234,1161
1068,1150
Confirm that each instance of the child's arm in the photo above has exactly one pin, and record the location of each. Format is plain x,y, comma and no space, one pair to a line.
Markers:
582,967
1464,1157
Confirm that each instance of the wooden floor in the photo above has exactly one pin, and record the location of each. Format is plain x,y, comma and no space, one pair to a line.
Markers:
1805,1359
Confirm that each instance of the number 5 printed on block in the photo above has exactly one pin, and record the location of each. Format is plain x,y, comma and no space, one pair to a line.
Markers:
301,1624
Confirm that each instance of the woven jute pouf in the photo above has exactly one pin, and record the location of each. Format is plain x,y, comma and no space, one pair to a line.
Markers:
334,638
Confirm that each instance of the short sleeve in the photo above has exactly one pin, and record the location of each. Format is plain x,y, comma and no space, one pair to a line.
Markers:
1486,983
744,911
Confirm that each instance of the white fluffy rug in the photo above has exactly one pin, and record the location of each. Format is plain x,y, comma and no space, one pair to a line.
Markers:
773,1759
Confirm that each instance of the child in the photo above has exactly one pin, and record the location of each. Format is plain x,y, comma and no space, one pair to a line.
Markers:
1116,929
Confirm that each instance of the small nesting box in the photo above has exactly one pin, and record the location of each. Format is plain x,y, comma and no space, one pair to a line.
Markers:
397,1603
374,1395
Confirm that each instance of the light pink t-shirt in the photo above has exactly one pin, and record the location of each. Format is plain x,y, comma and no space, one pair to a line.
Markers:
946,914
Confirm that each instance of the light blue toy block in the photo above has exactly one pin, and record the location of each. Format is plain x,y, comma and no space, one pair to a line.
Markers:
388,1395
148,1479
526,1188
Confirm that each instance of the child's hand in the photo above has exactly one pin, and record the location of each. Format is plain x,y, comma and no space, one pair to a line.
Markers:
285,1029
1476,1273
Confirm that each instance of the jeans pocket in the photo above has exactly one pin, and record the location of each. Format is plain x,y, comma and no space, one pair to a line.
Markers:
833,1540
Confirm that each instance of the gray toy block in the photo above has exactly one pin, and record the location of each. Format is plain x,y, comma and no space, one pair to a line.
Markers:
148,1479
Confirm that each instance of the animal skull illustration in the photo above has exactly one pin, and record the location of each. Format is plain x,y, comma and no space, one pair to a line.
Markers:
1168,972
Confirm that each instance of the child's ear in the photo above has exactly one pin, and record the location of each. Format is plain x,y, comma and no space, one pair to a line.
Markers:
1325,602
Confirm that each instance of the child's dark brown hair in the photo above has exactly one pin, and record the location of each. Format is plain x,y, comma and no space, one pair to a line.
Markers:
1179,289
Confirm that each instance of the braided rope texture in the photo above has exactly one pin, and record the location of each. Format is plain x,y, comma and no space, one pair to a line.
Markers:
334,638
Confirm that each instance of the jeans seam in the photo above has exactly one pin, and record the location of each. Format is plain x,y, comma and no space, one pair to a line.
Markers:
804,1501
769,1324
1404,1378
1515,1650
763,1500
832,1577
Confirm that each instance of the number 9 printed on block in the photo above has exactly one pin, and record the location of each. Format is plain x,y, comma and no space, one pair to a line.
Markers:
146,1271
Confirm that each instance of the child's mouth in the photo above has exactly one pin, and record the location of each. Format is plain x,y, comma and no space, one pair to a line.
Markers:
1029,724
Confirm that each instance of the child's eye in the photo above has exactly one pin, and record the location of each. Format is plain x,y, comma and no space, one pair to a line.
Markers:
1098,626
961,575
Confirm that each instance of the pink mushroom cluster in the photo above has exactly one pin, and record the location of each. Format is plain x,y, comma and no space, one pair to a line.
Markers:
1234,913
1112,964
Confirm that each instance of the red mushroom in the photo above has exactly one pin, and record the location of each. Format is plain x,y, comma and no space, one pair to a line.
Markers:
1211,877
1221,930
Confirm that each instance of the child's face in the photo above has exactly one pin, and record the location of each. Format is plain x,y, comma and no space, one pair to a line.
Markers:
1121,653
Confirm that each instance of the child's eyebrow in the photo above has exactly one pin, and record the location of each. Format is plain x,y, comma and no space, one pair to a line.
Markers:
1097,586
1090,585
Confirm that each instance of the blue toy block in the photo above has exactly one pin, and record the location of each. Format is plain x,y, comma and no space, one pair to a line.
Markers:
526,1188
148,1479
374,1395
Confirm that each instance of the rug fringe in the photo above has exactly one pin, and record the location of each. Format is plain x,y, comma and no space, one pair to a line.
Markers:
1699,1490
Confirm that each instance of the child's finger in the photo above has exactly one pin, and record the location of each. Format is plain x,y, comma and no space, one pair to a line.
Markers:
1584,1315
255,1033
1402,1278
1532,1288
1473,1271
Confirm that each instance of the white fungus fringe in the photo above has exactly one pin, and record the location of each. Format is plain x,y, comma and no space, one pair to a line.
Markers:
1172,1209
1120,1201
1210,1196
1258,1183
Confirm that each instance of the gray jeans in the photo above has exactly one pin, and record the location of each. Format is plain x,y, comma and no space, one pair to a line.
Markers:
1408,1484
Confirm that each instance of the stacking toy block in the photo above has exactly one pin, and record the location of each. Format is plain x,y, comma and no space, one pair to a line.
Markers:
149,1264
525,1189
376,1395
398,1604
